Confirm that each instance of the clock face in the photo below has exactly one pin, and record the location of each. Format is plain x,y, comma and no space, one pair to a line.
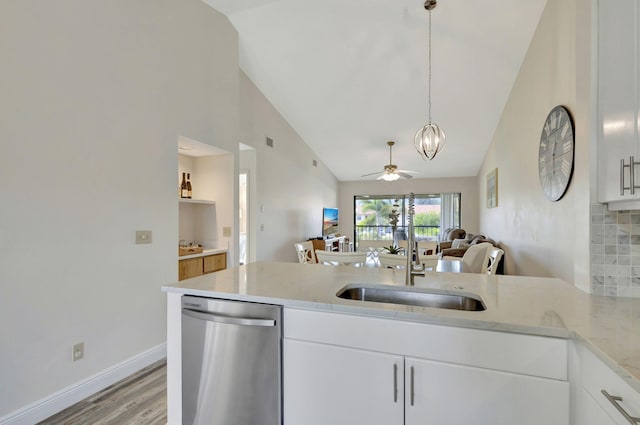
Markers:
555,157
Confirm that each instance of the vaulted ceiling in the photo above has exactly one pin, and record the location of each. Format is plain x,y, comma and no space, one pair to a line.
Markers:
349,75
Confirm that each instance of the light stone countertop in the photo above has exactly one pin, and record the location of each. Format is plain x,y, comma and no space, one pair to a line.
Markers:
610,327
204,253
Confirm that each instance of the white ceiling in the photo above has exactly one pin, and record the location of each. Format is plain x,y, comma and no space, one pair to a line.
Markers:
348,75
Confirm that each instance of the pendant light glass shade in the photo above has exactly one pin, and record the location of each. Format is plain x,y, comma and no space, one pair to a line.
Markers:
390,177
429,140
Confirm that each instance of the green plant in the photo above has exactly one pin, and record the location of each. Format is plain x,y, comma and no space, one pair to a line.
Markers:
392,249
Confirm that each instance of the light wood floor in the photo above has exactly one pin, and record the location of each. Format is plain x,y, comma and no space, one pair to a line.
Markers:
140,399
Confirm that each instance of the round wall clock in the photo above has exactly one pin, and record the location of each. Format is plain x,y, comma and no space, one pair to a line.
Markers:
555,157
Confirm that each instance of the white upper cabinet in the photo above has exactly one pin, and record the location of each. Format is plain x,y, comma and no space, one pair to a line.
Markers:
618,159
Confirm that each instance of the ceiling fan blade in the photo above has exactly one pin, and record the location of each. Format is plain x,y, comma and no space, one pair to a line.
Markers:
405,175
408,171
371,174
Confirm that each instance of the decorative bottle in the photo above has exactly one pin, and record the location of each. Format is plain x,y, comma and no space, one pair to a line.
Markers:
189,185
184,191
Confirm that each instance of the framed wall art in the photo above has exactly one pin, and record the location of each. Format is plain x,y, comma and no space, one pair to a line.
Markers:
492,188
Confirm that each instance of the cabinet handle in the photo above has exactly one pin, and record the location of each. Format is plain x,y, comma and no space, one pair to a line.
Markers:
632,183
395,383
622,167
412,393
632,177
613,399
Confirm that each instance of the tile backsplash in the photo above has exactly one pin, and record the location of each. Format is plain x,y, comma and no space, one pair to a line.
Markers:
615,252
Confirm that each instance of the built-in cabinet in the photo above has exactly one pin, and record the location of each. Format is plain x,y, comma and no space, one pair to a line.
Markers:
618,95
327,384
340,369
193,267
601,397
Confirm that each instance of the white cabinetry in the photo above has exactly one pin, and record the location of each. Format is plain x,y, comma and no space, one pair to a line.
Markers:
441,393
588,412
325,384
344,369
592,405
618,154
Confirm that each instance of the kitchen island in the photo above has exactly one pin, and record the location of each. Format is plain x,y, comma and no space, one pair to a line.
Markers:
609,328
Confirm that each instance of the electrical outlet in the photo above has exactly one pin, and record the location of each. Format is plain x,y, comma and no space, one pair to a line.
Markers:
143,236
77,351
226,232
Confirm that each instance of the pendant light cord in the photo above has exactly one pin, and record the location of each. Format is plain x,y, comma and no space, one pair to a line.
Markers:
429,67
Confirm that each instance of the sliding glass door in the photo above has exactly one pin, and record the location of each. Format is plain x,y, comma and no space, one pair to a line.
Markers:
385,217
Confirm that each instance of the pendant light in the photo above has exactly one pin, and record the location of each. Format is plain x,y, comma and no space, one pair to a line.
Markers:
430,139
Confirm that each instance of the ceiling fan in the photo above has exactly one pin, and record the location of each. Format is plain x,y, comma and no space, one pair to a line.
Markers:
391,171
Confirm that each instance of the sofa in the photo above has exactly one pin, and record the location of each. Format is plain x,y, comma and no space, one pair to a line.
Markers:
449,235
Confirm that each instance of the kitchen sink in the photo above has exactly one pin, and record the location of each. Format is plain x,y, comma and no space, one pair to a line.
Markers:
412,296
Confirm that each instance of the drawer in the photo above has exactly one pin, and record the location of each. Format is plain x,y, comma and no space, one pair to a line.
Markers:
510,352
213,263
189,268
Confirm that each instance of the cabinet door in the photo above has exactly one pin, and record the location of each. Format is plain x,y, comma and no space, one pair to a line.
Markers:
189,268
617,94
213,263
596,376
587,411
326,384
442,393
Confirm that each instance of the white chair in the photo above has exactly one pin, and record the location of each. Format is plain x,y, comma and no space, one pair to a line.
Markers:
429,262
372,248
428,247
306,254
425,248
393,261
474,258
333,258
492,259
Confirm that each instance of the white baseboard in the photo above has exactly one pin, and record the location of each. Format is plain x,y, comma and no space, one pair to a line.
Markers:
72,394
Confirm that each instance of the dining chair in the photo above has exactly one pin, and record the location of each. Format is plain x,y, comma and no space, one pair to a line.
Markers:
333,258
492,260
372,248
392,261
474,258
425,248
306,254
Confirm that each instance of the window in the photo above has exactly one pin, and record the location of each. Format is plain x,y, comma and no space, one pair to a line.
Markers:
374,216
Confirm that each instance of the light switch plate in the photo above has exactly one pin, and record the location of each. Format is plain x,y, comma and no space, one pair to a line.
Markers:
77,352
226,232
143,236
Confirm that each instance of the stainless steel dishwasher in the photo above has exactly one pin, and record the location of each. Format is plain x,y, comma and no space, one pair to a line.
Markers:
231,362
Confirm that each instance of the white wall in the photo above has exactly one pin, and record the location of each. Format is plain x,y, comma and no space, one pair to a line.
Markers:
466,186
544,238
94,98
291,192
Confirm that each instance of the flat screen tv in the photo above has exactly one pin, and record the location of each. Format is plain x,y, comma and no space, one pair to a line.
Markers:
329,221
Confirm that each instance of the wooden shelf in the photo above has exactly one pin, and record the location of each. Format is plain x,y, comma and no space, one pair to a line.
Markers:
195,201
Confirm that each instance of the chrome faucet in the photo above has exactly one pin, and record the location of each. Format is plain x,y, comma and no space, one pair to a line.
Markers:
413,268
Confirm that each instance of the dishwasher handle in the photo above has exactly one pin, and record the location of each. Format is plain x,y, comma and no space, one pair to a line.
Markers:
243,321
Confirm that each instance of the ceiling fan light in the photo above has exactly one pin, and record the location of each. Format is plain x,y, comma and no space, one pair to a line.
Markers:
429,140
390,177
